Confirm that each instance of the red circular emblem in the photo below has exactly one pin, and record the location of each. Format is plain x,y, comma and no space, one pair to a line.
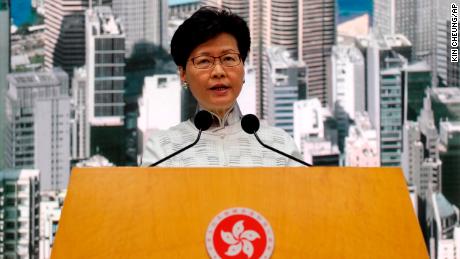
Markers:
239,233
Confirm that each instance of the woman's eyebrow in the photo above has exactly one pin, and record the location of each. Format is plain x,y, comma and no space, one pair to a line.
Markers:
225,51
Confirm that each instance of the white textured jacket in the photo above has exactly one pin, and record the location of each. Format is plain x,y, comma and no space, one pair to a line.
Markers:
225,144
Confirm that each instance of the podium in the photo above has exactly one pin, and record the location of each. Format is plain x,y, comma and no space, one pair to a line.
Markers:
316,212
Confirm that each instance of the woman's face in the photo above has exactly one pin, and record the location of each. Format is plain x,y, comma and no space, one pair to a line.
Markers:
217,87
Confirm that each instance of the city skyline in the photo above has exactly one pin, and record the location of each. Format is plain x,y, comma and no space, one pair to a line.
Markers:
353,88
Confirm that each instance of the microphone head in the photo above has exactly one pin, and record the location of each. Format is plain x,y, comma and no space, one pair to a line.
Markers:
250,123
203,120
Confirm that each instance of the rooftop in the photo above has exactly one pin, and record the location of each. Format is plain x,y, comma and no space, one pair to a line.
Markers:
35,78
354,27
447,95
181,2
397,40
420,66
103,21
444,207
450,126
280,58
348,53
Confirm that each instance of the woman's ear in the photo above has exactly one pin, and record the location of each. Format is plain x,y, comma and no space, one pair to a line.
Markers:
182,74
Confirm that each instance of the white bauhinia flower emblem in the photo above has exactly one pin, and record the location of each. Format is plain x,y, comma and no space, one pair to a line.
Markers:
239,240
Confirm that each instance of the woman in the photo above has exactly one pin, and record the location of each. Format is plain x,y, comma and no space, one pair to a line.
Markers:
210,49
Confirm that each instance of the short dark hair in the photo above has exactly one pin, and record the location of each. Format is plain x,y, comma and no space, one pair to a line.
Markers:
205,24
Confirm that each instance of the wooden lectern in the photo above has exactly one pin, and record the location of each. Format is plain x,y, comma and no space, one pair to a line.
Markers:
316,212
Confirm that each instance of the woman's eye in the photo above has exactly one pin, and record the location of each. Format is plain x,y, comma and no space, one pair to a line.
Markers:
229,58
203,61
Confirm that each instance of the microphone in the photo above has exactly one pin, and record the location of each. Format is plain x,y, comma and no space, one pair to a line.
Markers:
250,124
202,121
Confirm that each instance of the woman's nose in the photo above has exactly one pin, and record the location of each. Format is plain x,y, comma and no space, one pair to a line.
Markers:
218,70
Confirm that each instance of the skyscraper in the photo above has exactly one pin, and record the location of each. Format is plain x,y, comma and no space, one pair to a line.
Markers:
346,86
65,33
80,128
314,133
361,146
105,50
416,78
445,103
19,225
443,220
284,78
316,38
105,70
144,21
449,154
38,119
420,170
396,17
385,93
4,69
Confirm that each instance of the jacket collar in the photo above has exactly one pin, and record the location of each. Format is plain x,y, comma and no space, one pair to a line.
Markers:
231,117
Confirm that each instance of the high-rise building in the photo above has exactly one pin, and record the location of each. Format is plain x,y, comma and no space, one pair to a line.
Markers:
316,38
160,92
427,128
19,224
4,69
314,133
105,70
422,172
179,9
412,157
50,213
38,133
346,87
396,17
361,146
144,21
444,230
65,33
416,78
105,50
347,82
449,153
284,78
425,24
385,93
80,128
321,152
445,103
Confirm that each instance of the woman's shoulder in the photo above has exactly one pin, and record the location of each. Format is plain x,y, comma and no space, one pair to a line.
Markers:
267,129
181,129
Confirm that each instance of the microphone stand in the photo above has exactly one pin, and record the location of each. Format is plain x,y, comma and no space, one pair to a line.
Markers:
280,152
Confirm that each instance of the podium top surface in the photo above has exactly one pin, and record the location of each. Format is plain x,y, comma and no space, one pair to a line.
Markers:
316,212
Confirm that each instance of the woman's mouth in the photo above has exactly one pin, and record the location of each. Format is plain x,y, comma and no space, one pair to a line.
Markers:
219,88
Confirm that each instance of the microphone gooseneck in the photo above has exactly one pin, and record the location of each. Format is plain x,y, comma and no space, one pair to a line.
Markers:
250,124
202,121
